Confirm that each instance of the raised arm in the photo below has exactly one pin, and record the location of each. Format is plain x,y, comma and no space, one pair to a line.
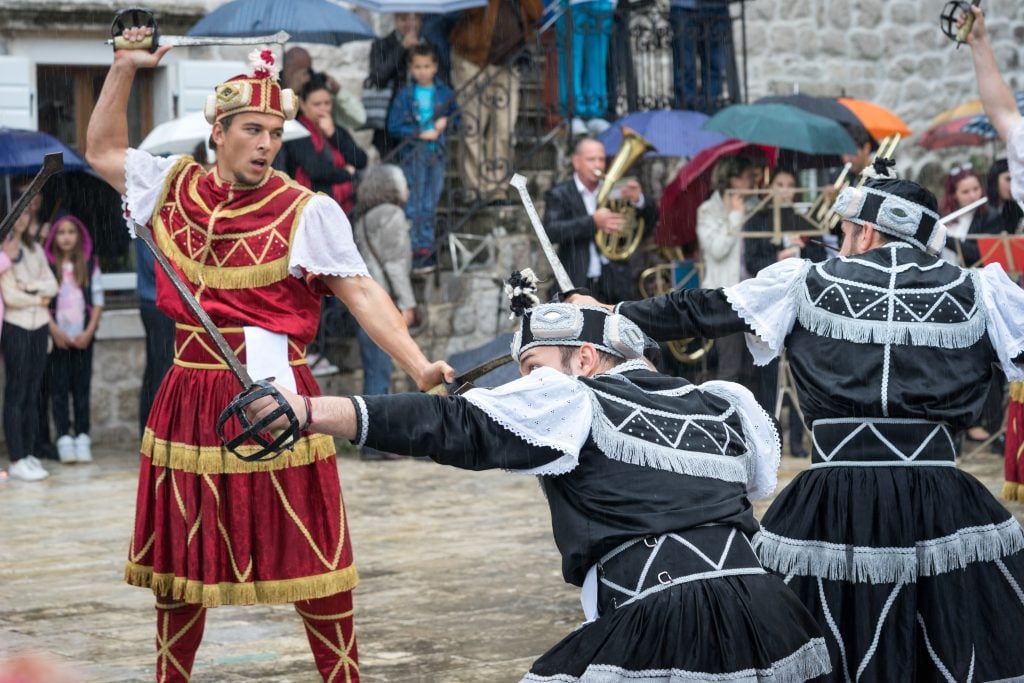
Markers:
107,137
996,96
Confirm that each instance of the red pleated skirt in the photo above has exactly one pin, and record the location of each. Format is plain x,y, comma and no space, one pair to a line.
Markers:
212,529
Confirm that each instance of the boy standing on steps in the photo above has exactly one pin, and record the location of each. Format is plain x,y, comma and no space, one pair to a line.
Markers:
420,117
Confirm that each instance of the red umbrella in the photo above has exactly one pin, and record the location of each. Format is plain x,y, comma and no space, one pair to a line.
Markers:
691,186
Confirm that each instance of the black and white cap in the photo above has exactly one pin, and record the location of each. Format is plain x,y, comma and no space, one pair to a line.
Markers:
560,324
900,208
572,325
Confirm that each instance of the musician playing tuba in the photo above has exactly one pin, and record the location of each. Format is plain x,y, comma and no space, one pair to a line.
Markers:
572,219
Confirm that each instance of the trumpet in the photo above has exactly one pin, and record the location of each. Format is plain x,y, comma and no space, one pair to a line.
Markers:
621,245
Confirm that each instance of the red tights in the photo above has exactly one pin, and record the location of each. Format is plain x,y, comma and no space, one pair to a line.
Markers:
328,622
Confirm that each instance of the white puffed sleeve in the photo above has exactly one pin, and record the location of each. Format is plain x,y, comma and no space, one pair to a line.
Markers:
1004,311
323,243
144,178
547,409
768,303
763,444
1015,158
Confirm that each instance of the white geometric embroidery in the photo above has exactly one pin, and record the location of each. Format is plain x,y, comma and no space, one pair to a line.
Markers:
870,426
638,592
935,657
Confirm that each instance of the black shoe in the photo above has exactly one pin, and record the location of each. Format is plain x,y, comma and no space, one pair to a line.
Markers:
798,452
999,445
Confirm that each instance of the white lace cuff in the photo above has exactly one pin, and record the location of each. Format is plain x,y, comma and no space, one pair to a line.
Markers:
1004,310
323,244
144,178
768,304
546,409
1015,158
762,438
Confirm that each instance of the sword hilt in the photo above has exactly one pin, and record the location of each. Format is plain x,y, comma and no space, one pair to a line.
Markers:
136,17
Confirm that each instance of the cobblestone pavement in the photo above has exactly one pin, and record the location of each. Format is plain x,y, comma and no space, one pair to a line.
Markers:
460,577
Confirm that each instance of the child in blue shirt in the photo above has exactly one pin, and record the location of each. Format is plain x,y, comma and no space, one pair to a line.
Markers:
420,116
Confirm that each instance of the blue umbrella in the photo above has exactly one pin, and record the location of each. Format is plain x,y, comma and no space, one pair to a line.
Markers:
22,151
306,21
419,6
673,132
981,126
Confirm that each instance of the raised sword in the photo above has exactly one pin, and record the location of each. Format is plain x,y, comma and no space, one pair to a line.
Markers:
140,17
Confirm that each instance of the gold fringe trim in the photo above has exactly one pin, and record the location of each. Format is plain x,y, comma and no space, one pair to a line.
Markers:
194,459
229,277
1017,392
1011,491
256,592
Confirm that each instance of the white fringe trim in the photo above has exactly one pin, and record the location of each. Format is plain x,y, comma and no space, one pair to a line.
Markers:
937,335
630,449
865,564
809,661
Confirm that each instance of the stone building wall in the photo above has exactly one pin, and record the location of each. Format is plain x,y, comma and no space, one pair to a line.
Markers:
887,51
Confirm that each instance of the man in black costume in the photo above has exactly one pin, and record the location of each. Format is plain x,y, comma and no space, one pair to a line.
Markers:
649,480
912,568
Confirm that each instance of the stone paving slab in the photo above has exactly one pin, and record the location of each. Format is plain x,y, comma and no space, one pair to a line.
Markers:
460,578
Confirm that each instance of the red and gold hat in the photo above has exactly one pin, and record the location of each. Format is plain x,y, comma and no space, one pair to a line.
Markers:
260,92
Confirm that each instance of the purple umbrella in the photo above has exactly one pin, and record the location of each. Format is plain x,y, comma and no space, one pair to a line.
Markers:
673,132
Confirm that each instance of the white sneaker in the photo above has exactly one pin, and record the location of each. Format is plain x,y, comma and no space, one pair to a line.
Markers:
26,470
66,448
578,127
83,448
597,126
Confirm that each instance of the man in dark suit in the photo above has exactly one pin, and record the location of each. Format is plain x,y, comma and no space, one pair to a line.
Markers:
571,219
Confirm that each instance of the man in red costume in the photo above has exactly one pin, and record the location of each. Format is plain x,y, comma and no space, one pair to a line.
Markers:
257,250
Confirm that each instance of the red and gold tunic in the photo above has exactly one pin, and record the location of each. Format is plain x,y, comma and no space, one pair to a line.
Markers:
1013,467
209,527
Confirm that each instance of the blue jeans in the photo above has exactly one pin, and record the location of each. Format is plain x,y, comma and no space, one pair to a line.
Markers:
591,34
424,171
376,366
703,34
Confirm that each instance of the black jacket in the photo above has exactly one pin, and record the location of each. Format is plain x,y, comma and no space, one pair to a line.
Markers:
570,227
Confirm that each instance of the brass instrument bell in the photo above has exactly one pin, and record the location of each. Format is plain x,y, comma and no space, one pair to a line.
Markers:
621,245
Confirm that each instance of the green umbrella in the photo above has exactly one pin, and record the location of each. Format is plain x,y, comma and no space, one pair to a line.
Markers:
782,125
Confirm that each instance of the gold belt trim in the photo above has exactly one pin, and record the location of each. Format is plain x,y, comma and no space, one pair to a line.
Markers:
219,363
185,457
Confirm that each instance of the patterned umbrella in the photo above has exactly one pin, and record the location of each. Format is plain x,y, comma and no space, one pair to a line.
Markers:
954,133
983,127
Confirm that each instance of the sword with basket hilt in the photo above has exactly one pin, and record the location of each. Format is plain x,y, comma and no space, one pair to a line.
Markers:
140,17
280,440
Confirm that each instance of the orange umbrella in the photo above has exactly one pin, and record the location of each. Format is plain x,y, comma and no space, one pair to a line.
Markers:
878,120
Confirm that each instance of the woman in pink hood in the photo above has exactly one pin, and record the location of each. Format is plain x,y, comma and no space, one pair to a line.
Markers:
74,317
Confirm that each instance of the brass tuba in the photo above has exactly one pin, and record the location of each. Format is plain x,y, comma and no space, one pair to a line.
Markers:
655,281
621,245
